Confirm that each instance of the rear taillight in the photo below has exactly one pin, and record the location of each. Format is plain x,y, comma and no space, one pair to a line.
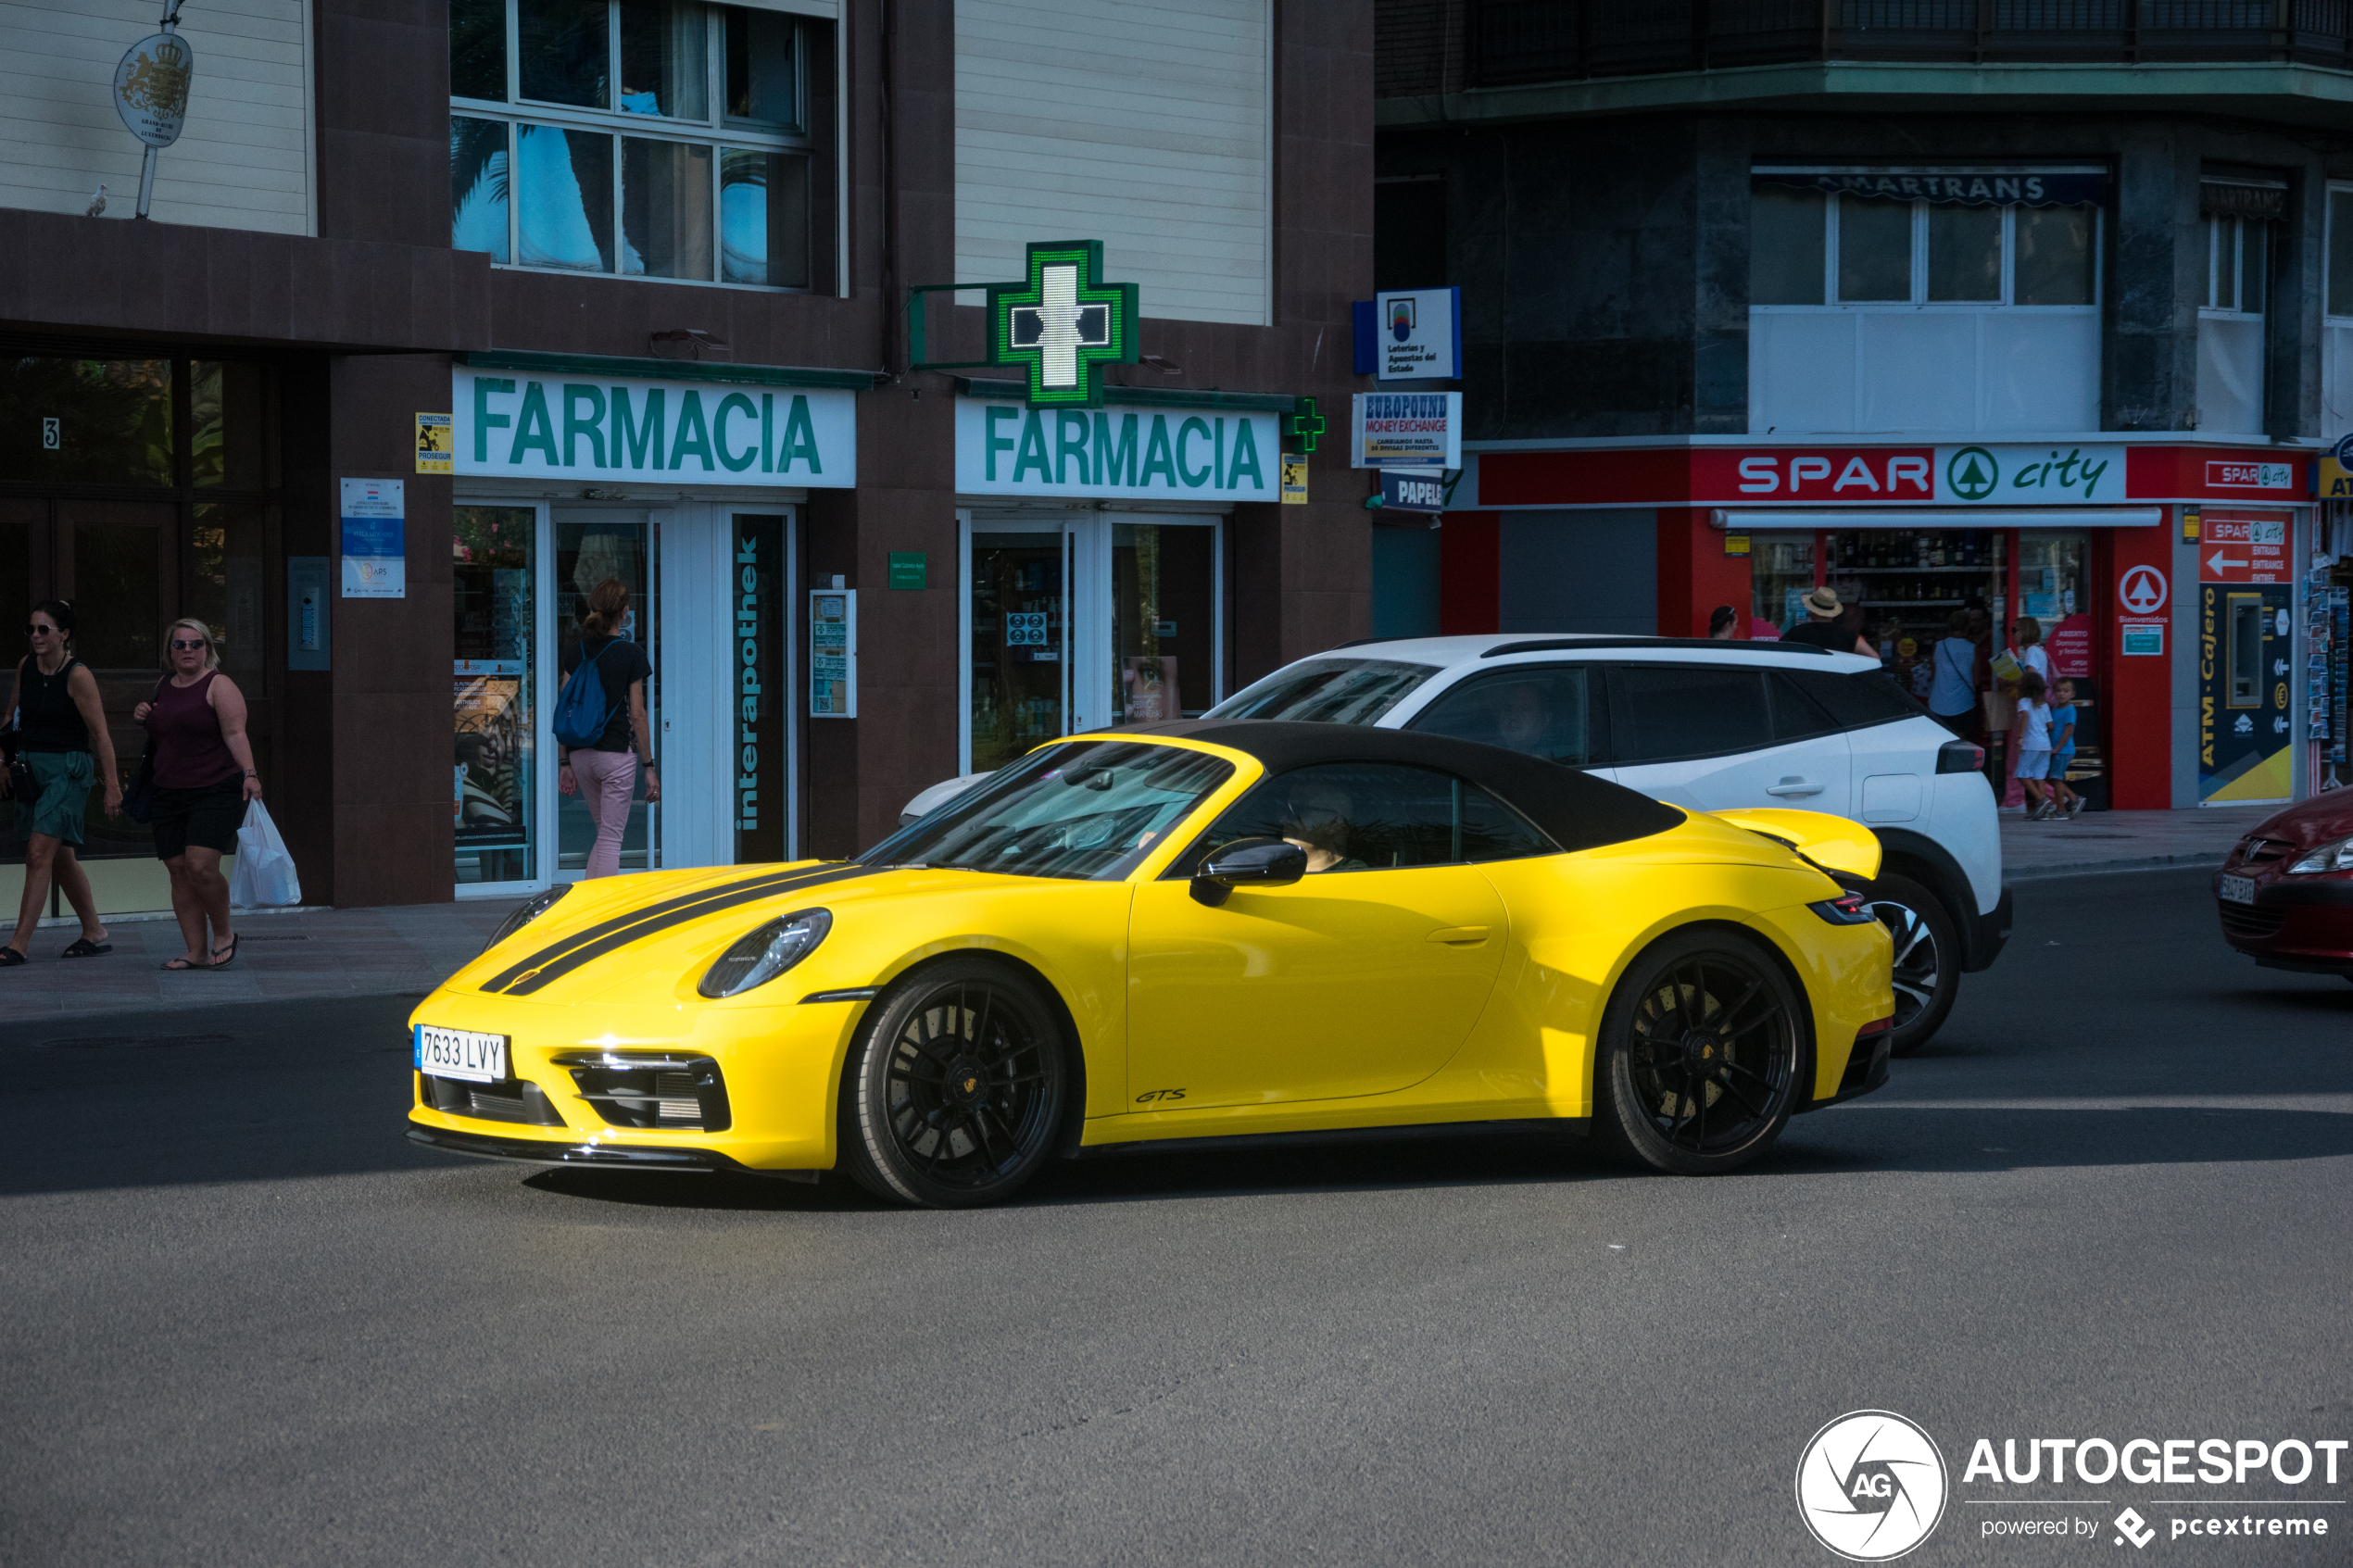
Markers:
1846,911
1875,1026
1961,756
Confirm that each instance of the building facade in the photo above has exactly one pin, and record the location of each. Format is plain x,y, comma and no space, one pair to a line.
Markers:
446,311
2018,311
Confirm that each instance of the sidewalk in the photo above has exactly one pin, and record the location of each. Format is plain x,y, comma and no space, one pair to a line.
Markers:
2123,841
283,958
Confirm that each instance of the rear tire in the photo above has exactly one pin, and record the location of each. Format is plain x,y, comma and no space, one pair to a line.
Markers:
1700,1051
1927,959
955,1088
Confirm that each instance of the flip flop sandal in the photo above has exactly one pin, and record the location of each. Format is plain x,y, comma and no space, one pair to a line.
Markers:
83,947
220,963
10,957
181,966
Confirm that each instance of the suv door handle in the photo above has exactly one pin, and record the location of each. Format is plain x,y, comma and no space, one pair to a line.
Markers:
1794,787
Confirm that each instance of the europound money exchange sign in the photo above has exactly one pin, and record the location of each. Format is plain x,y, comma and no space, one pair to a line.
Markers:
513,423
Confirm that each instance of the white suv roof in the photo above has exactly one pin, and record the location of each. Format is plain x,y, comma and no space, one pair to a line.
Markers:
1500,647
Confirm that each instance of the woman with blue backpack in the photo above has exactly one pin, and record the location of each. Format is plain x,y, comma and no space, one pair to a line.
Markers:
600,721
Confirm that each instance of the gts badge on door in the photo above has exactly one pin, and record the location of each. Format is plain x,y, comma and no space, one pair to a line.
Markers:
1151,1095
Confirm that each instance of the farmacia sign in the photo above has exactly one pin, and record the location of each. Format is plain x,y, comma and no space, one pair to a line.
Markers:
512,424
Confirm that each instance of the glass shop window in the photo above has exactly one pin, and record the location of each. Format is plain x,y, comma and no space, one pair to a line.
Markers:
644,138
2236,265
492,801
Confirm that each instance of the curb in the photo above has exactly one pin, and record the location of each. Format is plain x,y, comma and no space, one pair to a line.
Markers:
2138,863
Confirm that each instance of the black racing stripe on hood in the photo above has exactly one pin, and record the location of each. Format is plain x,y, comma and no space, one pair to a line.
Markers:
556,949
556,969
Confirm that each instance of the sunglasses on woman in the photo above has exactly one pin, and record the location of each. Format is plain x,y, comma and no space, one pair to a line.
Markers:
187,644
37,630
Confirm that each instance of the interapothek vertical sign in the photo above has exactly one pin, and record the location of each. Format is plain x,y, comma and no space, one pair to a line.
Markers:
524,425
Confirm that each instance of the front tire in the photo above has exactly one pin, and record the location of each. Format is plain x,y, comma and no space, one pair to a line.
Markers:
1701,1049
1927,959
955,1087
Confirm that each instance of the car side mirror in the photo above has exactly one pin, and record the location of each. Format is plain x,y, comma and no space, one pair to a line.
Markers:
1248,862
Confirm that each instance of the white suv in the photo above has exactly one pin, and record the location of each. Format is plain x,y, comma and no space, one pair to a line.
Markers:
1708,725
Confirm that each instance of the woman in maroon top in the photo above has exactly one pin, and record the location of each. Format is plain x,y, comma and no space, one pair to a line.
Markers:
204,776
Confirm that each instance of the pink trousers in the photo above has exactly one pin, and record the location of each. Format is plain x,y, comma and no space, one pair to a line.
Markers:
608,779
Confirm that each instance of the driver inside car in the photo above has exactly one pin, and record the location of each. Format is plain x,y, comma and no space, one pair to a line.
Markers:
1317,822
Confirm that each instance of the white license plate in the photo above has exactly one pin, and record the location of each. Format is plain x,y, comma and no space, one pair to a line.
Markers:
460,1053
2239,889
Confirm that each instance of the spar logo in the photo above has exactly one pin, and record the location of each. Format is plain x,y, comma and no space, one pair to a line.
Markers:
1871,1486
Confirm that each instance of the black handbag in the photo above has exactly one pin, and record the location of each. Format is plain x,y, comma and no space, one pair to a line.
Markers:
139,795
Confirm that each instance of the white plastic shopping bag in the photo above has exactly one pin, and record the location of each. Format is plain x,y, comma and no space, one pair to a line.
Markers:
264,873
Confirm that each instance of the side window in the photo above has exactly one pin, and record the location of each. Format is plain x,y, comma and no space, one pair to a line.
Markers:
1493,831
1372,816
1662,712
1855,701
1797,716
1545,711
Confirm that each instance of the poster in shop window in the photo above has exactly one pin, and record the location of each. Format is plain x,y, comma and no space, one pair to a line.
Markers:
2246,653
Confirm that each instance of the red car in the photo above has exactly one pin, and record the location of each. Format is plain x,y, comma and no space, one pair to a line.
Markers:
2286,892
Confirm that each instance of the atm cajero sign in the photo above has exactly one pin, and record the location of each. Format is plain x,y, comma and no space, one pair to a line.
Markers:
514,424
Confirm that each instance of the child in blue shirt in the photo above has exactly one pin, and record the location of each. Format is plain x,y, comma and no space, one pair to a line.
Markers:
2066,800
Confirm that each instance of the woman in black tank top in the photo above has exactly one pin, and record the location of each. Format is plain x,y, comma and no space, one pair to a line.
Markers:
59,725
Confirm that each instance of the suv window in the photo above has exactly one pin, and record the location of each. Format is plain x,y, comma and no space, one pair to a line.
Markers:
1797,716
1660,711
1374,816
1329,691
1868,697
1546,711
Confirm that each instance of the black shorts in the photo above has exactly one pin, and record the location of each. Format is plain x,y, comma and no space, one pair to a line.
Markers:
207,817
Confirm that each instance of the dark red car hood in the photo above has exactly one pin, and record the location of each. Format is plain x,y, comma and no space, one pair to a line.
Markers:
2308,822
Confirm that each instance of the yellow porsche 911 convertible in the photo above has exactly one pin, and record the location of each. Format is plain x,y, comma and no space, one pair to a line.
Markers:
1191,931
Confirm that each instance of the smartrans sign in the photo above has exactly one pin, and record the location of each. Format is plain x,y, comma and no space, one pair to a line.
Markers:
513,424
1007,449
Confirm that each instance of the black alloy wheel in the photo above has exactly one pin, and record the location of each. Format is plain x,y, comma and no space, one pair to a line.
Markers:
955,1087
1701,1050
1927,954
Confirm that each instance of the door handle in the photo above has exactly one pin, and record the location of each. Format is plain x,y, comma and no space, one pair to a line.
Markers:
1460,935
1794,787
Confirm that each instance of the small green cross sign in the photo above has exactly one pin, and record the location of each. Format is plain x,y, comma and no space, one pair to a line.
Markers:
1305,426
1064,324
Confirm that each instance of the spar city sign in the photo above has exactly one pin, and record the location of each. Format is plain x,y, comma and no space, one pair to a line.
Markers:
513,424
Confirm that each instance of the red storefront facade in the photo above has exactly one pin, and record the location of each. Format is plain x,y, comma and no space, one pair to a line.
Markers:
2104,540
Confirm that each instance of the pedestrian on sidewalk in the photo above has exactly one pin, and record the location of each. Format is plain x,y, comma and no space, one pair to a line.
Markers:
2067,803
605,776
1952,694
2034,732
2031,655
204,775
59,725
1825,626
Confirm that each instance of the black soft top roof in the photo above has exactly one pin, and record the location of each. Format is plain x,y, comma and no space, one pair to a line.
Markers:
1578,810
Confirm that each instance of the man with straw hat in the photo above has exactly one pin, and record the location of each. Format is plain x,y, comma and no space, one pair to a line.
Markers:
1822,628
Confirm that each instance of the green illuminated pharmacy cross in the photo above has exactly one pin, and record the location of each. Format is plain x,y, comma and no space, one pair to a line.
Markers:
1064,324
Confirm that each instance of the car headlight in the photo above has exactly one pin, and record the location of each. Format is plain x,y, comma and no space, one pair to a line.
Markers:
2333,856
525,912
766,953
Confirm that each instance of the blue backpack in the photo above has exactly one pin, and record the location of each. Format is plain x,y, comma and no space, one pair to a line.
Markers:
581,709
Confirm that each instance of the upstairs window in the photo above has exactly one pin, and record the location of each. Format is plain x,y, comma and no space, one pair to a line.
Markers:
1983,238
2236,264
2340,252
638,138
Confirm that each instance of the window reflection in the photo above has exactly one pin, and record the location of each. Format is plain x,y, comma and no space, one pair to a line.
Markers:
763,217
491,591
478,49
105,422
665,63
225,425
478,185
761,81
566,198
565,51
665,208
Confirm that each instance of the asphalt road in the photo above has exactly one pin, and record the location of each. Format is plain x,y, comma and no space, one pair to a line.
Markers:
245,1322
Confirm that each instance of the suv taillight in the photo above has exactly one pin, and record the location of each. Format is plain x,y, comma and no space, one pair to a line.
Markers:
1961,756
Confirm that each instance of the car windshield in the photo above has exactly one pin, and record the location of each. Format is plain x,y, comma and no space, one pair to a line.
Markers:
1090,810
1328,691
